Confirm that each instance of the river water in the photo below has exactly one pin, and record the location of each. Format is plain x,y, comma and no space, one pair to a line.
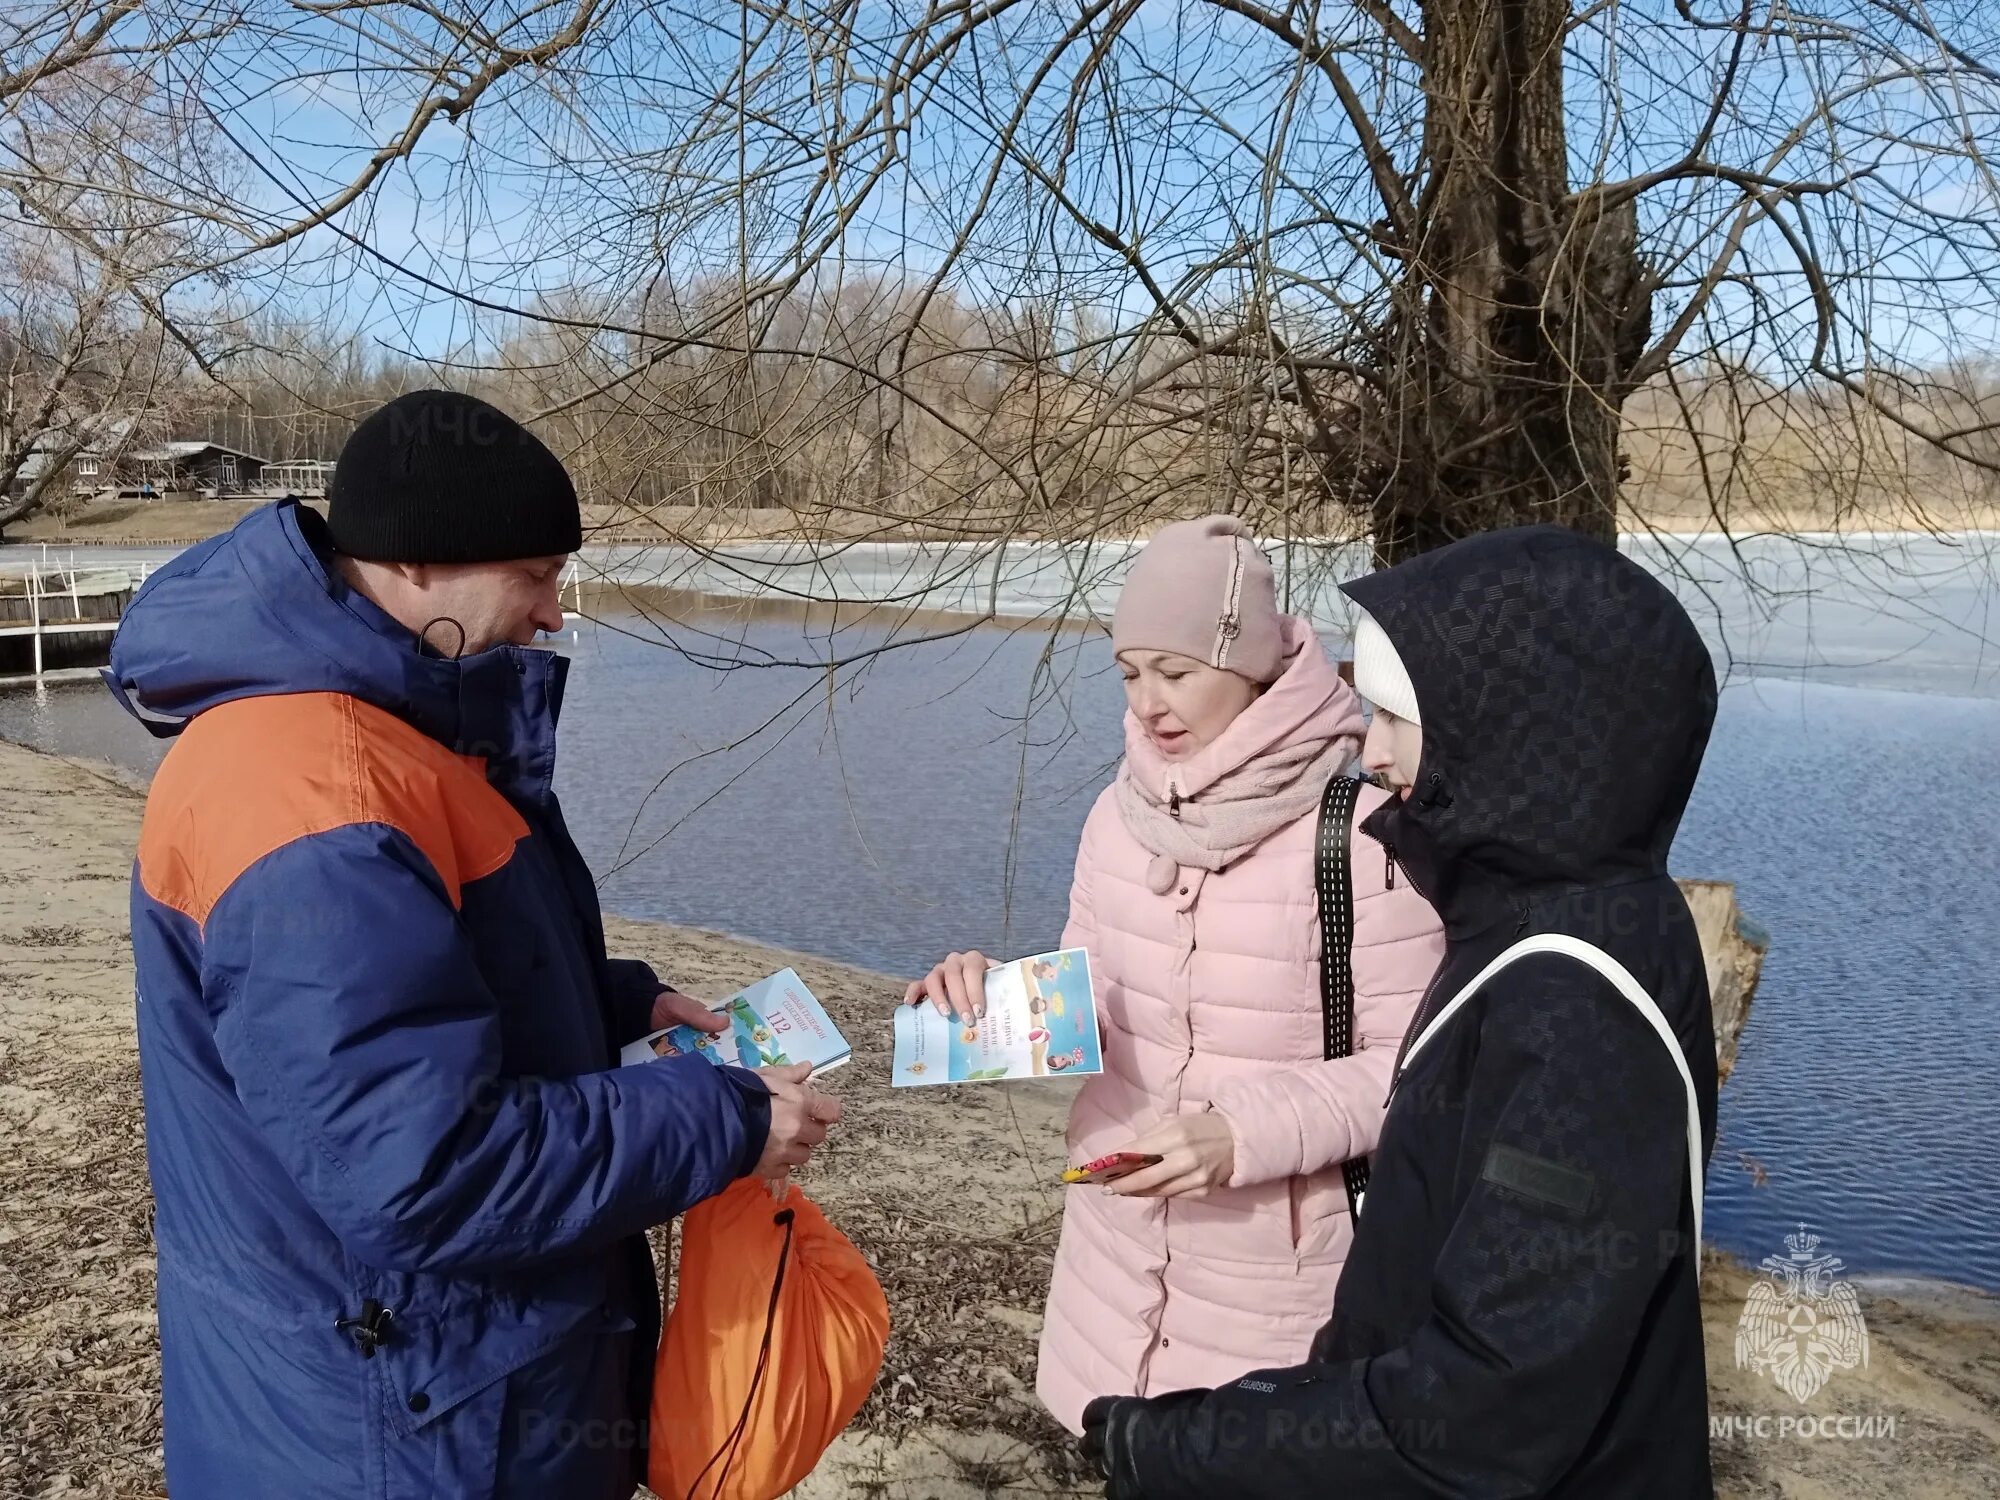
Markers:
928,795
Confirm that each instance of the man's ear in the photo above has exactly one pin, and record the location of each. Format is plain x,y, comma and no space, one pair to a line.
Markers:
416,575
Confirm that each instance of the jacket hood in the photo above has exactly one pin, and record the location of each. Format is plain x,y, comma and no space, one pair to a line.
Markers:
259,610
1567,700
1309,704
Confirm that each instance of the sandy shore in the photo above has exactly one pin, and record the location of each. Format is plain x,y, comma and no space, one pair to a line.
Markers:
947,1192
182,523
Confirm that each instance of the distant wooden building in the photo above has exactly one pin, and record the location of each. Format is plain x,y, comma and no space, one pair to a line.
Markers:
33,466
122,462
200,468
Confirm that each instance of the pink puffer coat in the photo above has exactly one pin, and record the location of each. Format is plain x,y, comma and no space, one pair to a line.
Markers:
1209,996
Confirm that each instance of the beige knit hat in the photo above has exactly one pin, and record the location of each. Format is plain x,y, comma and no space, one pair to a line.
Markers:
1201,589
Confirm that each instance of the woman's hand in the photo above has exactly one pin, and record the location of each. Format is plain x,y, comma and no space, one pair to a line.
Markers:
956,987
1197,1154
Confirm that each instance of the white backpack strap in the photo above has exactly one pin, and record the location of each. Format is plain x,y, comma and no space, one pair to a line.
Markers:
1622,980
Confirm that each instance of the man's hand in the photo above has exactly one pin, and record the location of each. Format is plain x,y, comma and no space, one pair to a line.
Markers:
1197,1154
672,1008
799,1119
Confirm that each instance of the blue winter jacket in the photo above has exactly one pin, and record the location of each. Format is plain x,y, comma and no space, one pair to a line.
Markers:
401,1185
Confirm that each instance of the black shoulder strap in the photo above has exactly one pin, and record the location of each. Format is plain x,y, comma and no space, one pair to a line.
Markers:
1333,876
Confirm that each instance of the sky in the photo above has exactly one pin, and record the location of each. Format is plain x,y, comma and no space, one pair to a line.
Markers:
614,170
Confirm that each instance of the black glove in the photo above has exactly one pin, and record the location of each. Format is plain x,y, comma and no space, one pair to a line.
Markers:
1106,1422
1116,1428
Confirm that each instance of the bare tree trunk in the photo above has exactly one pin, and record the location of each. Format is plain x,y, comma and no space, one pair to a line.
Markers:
1520,316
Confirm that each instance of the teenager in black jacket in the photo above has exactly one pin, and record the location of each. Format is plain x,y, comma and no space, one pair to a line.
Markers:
1519,1315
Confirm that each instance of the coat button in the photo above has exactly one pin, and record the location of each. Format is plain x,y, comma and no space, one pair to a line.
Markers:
420,1402
1184,890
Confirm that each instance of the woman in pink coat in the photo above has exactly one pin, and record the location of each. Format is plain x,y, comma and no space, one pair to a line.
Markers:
1194,895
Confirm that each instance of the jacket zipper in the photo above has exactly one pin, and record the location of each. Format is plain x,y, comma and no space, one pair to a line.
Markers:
1415,1030
1415,884
1416,1025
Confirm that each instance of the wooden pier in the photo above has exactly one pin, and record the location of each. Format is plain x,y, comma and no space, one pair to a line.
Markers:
52,607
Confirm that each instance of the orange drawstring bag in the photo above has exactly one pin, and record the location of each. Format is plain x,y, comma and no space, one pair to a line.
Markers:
774,1341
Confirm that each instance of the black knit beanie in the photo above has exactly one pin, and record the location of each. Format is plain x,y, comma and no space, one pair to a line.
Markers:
439,477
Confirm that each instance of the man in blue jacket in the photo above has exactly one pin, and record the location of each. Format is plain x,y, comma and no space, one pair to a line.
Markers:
402,1187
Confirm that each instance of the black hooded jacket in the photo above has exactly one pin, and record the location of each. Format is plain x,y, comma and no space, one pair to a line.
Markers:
1519,1314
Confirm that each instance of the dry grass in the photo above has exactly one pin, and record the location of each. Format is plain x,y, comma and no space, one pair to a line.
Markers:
79,1375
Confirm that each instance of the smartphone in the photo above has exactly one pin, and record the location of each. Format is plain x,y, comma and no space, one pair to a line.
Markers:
1105,1168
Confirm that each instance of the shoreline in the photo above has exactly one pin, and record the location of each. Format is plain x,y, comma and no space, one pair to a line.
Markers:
185,523
950,1192
725,540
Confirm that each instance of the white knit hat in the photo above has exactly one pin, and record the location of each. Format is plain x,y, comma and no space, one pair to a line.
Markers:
1379,673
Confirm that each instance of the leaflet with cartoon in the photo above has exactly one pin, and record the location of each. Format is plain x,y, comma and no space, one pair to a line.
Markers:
1040,1022
773,1022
